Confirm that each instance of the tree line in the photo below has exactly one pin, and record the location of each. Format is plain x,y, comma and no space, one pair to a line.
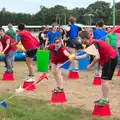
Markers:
60,14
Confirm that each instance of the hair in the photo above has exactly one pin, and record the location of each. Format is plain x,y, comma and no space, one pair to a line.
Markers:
58,39
21,26
42,28
100,23
84,34
2,29
9,25
72,20
54,24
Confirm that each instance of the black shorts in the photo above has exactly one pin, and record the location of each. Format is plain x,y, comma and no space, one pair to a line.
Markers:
31,53
72,43
109,68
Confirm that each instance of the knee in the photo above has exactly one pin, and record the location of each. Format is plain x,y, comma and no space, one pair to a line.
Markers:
54,73
105,81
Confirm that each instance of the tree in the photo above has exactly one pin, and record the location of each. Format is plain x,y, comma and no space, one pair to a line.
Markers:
100,10
60,14
78,13
40,17
118,17
117,5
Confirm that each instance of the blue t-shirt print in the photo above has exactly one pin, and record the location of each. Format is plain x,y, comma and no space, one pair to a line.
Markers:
100,34
74,30
19,38
52,36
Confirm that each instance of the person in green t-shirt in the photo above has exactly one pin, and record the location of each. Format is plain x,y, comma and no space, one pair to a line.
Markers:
11,33
112,39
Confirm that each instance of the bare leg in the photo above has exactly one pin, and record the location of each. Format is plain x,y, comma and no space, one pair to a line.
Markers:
57,75
105,88
29,62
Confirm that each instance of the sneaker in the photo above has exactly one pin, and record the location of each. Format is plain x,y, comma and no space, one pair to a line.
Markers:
27,77
102,102
30,79
73,70
99,75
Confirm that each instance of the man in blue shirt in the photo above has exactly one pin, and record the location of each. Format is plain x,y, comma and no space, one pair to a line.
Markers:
99,33
52,35
73,44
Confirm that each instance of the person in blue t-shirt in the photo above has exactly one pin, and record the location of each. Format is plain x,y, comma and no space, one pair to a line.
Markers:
100,33
73,43
52,35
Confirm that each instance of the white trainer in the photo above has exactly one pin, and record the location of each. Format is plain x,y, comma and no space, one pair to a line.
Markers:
30,79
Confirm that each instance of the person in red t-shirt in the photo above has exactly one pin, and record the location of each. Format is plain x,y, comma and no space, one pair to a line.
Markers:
59,55
8,51
107,58
1,47
31,44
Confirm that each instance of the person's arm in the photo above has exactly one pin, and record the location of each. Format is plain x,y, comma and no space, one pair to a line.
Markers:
79,28
82,56
66,53
15,43
47,48
67,28
95,60
1,45
18,39
46,42
108,41
7,45
70,56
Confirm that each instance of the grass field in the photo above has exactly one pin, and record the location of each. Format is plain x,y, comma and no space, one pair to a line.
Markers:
35,105
21,108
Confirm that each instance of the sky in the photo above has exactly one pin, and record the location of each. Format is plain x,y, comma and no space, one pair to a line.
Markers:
33,6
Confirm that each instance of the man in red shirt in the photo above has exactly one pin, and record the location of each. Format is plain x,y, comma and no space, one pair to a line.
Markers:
107,58
8,50
31,44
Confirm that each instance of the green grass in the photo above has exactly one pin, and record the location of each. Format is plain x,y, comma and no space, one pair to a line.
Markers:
21,108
